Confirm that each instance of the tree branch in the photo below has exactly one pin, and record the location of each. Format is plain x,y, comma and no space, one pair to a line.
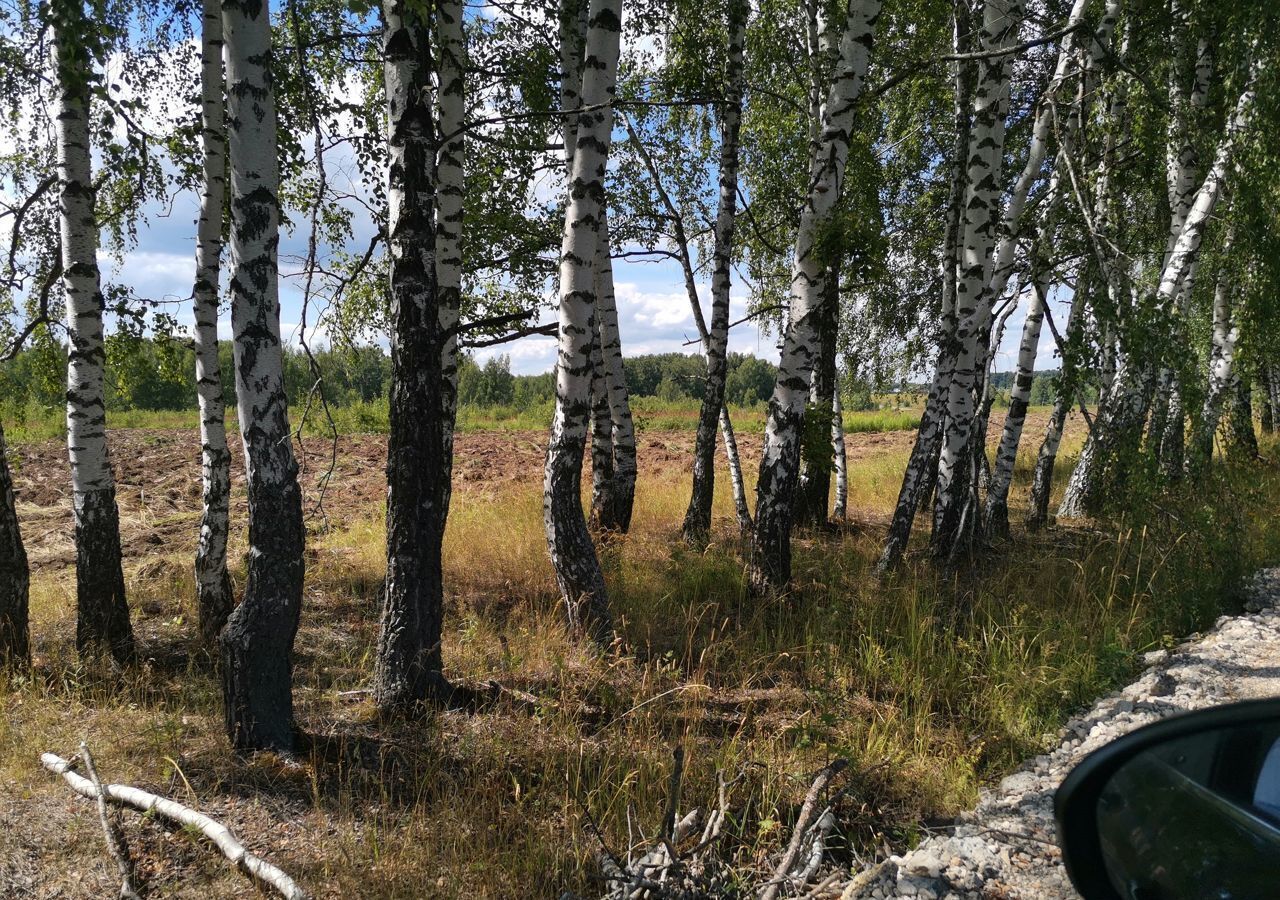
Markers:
146,802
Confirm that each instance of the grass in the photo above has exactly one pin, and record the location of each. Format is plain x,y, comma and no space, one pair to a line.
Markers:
650,414
929,684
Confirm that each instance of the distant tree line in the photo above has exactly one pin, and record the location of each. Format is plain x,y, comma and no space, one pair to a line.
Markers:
155,374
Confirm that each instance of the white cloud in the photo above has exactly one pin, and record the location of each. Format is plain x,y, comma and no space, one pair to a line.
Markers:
154,274
655,309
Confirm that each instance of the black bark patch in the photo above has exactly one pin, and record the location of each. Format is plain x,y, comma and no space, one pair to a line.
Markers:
102,615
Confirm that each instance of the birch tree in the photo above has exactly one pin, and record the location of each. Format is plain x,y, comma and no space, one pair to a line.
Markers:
615,515
1182,171
816,448
257,642
954,513
15,576
102,616
409,665
602,474
715,337
1047,455
996,512
214,598
1242,440
770,565
1123,411
573,555
1225,334
838,509
920,475
450,189
1099,227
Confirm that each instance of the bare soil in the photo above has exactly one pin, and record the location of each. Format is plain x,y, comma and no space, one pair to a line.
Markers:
158,479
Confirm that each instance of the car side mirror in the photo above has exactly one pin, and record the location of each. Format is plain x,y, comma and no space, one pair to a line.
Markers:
1187,807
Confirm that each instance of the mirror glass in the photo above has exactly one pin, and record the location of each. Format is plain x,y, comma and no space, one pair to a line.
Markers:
1196,817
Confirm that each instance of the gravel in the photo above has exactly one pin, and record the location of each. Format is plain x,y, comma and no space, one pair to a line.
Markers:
1007,847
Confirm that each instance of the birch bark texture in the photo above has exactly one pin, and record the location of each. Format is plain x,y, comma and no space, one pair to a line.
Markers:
15,575
1125,406
602,478
697,518
1242,440
1167,425
1113,401
102,614
615,515
1226,331
214,594
450,187
919,477
1047,455
817,451
770,565
1014,219
408,669
257,642
996,513
954,513
573,555
839,508
573,35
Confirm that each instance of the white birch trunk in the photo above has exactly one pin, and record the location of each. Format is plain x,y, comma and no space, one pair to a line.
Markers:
450,116
839,510
1001,21
214,597
1176,282
1185,249
1116,418
997,508
1242,441
572,554
1086,475
1047,456
602,479
573,32
779,465
257,642
617,516
1226,331
996,514
1273,394
920,475
102,615
1182,174
1012,223
715,340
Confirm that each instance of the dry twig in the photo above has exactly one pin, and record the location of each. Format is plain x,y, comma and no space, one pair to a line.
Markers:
111,828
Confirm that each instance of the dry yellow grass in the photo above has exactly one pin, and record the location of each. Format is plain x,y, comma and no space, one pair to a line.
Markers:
929,684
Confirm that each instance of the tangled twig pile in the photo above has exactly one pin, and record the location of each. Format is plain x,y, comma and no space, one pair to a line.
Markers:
665,871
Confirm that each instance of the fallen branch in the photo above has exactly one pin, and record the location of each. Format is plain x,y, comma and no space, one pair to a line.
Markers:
115,840
145,802
782,875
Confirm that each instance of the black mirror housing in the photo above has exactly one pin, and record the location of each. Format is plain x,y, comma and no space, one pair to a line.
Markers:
1185,807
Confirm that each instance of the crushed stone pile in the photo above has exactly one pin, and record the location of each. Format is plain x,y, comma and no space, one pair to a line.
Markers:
1007,847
